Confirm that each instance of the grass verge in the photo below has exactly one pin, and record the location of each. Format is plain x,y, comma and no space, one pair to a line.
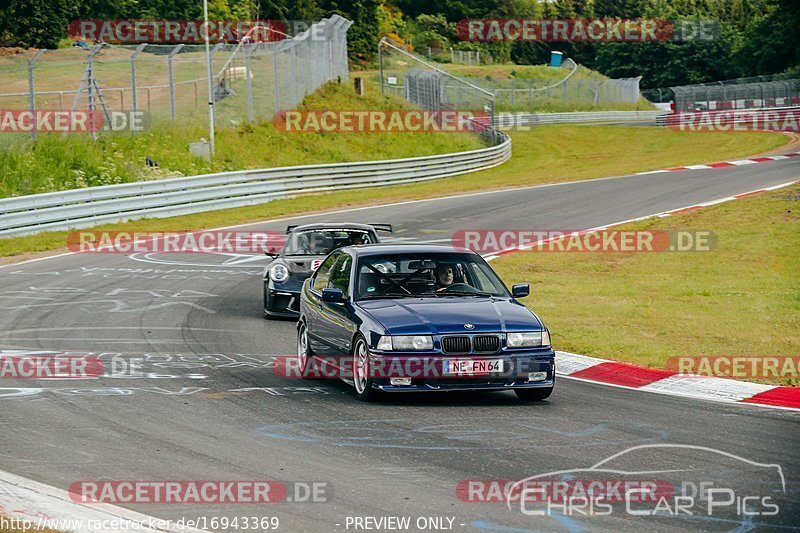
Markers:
59,162
740,299
546,154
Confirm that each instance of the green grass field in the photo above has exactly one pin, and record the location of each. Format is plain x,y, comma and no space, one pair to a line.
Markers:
740,299
546,154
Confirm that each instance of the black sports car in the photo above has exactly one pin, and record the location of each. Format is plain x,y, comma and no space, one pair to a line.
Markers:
306,246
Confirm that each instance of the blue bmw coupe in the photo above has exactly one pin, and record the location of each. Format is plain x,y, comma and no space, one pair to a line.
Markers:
403,318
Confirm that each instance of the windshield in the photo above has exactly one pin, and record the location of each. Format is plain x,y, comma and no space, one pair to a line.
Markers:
435,275
324,241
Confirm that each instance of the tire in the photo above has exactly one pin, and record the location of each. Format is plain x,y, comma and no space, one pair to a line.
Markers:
533,395
304,353
363,385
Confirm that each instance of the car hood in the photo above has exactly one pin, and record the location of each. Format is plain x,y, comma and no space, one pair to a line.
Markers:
435,316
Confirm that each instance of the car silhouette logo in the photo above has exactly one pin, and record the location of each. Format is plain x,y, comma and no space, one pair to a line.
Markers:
469,326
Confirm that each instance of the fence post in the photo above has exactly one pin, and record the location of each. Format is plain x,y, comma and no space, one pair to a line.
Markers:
248,82
172,80
276,89
31,93
292,71
530,94
380,64
133,74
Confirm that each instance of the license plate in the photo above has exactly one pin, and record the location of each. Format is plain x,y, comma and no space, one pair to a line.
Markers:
473,367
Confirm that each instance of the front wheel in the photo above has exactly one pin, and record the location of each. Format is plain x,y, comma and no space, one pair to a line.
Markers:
533,395
303,350
361,378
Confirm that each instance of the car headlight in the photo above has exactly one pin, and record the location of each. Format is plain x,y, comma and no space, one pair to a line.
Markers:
405,343
279,273
527,338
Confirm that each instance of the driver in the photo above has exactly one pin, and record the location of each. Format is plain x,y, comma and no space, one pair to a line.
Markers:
444,277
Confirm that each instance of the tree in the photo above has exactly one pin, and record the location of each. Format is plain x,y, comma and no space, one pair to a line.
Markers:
36,23
771,43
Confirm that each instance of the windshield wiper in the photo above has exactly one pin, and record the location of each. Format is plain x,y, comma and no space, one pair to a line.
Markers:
388,295
456,293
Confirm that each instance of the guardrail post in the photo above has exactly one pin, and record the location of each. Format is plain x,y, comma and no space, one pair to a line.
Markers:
172,80
133,74
31,93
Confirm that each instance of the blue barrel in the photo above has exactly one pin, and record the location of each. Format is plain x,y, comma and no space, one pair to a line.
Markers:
556,58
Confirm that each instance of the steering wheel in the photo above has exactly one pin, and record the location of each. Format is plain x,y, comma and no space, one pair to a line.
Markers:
460,287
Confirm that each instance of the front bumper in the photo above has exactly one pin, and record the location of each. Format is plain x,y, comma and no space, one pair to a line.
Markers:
517,365
282,303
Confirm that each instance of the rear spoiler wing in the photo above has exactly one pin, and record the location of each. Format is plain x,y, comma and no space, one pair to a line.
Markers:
378,227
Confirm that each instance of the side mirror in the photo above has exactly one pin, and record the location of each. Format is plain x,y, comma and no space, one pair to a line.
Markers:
271,253
521,290
332,295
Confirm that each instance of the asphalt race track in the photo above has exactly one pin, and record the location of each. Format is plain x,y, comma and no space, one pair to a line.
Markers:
208,405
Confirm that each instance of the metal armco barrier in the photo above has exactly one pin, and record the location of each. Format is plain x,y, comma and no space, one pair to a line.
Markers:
81,208
595,117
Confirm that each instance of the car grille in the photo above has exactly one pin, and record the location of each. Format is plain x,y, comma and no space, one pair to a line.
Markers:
486,343
456,344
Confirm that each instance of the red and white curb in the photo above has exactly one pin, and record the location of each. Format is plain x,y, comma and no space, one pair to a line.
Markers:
725,164
42,506
627,376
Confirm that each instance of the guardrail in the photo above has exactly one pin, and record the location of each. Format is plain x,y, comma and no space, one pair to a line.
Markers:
81,208
578,117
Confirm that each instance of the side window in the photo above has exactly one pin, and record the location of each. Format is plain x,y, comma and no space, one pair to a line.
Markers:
340,274
323,273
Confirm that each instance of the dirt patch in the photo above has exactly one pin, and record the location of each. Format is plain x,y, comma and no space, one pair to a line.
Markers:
13,50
